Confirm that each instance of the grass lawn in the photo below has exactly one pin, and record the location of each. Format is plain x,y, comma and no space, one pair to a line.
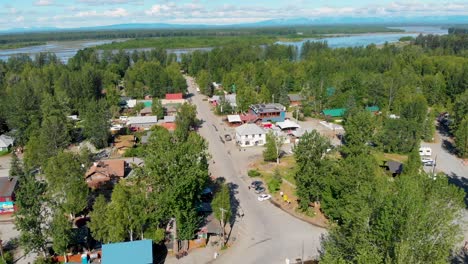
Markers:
381,157
4,152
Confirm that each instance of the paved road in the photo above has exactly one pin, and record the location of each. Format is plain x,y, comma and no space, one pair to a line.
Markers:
265,234
446,161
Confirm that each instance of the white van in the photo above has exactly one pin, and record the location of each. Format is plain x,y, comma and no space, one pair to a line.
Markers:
123,118
425,151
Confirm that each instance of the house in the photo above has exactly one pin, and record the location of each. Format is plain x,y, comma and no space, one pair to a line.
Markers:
295,99
171,109
104,172
395,167
250,135
135,252
174,96
269,112
337,112
6,142
146,111
7,194
142,122
288,125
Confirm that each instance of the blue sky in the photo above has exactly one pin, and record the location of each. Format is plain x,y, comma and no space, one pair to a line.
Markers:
80,13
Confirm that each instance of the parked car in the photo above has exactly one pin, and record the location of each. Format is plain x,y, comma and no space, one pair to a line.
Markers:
428,162
227,137
259,189
264,197
256,184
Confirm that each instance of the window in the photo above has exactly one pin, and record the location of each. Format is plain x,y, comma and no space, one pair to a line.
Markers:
7,199
259,135
247,143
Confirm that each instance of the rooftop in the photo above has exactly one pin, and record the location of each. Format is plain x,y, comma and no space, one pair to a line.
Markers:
136,252
108,167
174,96
268,108
287,124
295,97
142,119
337,112
249,129
7,186
234,118
6,141
395,166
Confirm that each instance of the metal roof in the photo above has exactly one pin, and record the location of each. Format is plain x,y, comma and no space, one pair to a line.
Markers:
142,120
135,252
249,129
234,118
6,141
337,112
287,124
295,97
7,186
267,108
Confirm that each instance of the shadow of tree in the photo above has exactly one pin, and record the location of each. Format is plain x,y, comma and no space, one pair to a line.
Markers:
447,145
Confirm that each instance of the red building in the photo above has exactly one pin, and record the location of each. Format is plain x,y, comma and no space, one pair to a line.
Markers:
7,194
174,96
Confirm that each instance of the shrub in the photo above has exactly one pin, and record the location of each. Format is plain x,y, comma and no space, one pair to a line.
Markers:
254,173
274,184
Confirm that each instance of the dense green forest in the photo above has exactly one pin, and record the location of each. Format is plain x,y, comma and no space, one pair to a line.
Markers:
223,31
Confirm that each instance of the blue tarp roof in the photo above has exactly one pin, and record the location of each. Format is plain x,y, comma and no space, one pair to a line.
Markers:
135,252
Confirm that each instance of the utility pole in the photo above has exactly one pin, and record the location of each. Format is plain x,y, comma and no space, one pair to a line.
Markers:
222,224
302,253
174,232
273,97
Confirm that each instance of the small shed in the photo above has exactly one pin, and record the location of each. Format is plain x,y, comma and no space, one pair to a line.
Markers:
135,252
373,109
287,125
395,167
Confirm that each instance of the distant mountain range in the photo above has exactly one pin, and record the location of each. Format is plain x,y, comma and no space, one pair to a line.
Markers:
393,21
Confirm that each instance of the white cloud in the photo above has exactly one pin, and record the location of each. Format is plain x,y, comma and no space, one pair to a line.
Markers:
44,2
110,2
19,19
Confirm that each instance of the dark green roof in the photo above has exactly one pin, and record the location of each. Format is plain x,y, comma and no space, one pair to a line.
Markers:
337,112
373,108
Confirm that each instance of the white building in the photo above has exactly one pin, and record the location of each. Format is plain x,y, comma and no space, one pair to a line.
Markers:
250,135
6,142
142,122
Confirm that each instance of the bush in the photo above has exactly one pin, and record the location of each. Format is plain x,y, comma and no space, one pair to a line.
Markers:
133,152
274,184
42,260
155,234
7,258
254,173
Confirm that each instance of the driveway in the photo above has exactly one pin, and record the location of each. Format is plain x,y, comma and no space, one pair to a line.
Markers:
5,165
265,234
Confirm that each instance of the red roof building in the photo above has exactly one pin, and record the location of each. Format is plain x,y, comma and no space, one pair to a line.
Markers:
174,96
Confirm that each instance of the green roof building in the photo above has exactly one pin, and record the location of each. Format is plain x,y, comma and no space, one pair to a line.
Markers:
337,112
373,108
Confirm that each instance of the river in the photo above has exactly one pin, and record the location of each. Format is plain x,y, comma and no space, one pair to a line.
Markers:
67,49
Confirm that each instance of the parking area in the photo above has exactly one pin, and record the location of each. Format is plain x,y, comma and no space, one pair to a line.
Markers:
5,165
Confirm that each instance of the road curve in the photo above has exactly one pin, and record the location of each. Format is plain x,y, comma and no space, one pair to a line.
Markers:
265,234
